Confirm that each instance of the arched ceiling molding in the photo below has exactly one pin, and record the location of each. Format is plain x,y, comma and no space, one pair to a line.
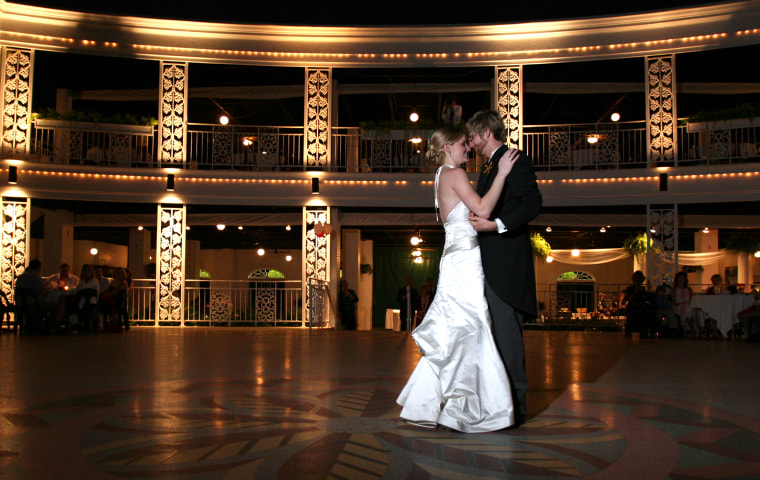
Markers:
724,25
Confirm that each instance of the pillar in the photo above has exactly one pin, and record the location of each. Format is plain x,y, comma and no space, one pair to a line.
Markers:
58,247
365,286
138,252
15,242
16,101
508,102
662,236
662,134
317,123
170,265
704,243
316,257
172,113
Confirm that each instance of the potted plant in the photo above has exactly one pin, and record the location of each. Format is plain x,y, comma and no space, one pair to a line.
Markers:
541,248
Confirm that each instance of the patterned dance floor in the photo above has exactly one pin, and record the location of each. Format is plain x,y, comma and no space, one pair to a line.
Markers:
289,404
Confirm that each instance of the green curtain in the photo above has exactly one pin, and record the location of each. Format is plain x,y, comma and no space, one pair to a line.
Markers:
392,266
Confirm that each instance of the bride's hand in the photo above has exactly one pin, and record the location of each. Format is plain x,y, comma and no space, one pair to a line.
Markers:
508,160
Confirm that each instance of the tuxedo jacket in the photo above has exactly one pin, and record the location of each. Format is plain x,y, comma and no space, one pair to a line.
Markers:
508,257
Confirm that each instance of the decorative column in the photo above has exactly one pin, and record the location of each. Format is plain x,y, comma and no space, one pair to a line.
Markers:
508,102
316,252
661,110
317,117
17,101
15,241
662,243
172,115
170,265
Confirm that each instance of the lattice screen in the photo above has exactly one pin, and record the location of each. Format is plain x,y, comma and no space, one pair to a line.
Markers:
172,120
17,100
170,267
509,102
15,242
317,111
661,109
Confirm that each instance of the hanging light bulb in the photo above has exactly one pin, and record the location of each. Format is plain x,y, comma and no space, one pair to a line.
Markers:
415,240
414,116
575,252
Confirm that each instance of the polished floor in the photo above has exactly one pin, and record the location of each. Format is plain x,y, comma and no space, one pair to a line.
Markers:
292,404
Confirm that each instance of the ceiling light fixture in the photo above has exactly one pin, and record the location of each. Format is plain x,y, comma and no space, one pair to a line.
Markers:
221,227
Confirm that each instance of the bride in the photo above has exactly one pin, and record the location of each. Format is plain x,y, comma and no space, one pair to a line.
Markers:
460,382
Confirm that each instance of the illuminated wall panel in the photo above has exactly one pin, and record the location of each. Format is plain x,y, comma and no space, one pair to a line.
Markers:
17,100
15,241
317,121
661,109
316,250
172,120
170,267
509,102
662,233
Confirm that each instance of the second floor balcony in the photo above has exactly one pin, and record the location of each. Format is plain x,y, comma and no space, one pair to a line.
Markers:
598,146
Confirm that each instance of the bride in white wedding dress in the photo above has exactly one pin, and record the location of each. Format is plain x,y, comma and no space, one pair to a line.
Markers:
460,382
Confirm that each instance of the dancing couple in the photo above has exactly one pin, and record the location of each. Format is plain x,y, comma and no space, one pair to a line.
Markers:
471,377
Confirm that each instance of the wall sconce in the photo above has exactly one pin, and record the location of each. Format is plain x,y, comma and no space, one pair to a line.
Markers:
170,182
663,182
315,186
13,174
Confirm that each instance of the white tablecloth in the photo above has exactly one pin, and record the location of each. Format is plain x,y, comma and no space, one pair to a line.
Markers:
723,308
393,319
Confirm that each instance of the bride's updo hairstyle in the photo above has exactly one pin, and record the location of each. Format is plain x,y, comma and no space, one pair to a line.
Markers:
440,138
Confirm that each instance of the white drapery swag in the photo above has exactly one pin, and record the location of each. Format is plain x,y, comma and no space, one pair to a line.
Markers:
596,256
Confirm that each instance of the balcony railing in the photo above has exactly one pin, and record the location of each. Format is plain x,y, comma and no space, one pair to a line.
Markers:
271,148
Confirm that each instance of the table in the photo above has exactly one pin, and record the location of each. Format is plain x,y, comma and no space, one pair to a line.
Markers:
393,319
723,308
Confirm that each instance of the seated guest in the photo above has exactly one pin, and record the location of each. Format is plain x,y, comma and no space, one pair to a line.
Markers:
67,303
32,280
103,282
108,296
63,279
716,287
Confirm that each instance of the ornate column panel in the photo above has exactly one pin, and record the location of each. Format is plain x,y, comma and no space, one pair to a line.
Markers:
661,109
316,251
172,115
509,102
15,241
17,100
170,265
662,237
317,117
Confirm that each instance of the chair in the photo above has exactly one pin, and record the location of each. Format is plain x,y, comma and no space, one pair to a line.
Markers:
31,316
6,308
84,309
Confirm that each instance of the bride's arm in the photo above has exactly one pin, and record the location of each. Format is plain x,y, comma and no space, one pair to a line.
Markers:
464,189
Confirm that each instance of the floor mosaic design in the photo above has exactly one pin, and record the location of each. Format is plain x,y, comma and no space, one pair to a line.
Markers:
350,429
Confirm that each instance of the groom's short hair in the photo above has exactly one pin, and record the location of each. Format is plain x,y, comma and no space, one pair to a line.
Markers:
487,120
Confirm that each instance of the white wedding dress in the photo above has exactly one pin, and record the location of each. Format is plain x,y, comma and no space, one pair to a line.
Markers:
460,382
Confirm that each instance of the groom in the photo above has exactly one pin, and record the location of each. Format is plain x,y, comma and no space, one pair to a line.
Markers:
506,249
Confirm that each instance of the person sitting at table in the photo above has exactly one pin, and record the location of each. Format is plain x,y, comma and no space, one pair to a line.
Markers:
716,287
108,297
67,302
63,279
103,281
663,307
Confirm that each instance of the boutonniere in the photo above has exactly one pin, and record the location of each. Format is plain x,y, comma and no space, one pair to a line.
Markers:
487,168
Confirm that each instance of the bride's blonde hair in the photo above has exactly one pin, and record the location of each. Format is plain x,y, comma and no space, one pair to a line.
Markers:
439,139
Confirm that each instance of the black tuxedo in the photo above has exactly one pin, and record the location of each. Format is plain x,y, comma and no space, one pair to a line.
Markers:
508,257
508,267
